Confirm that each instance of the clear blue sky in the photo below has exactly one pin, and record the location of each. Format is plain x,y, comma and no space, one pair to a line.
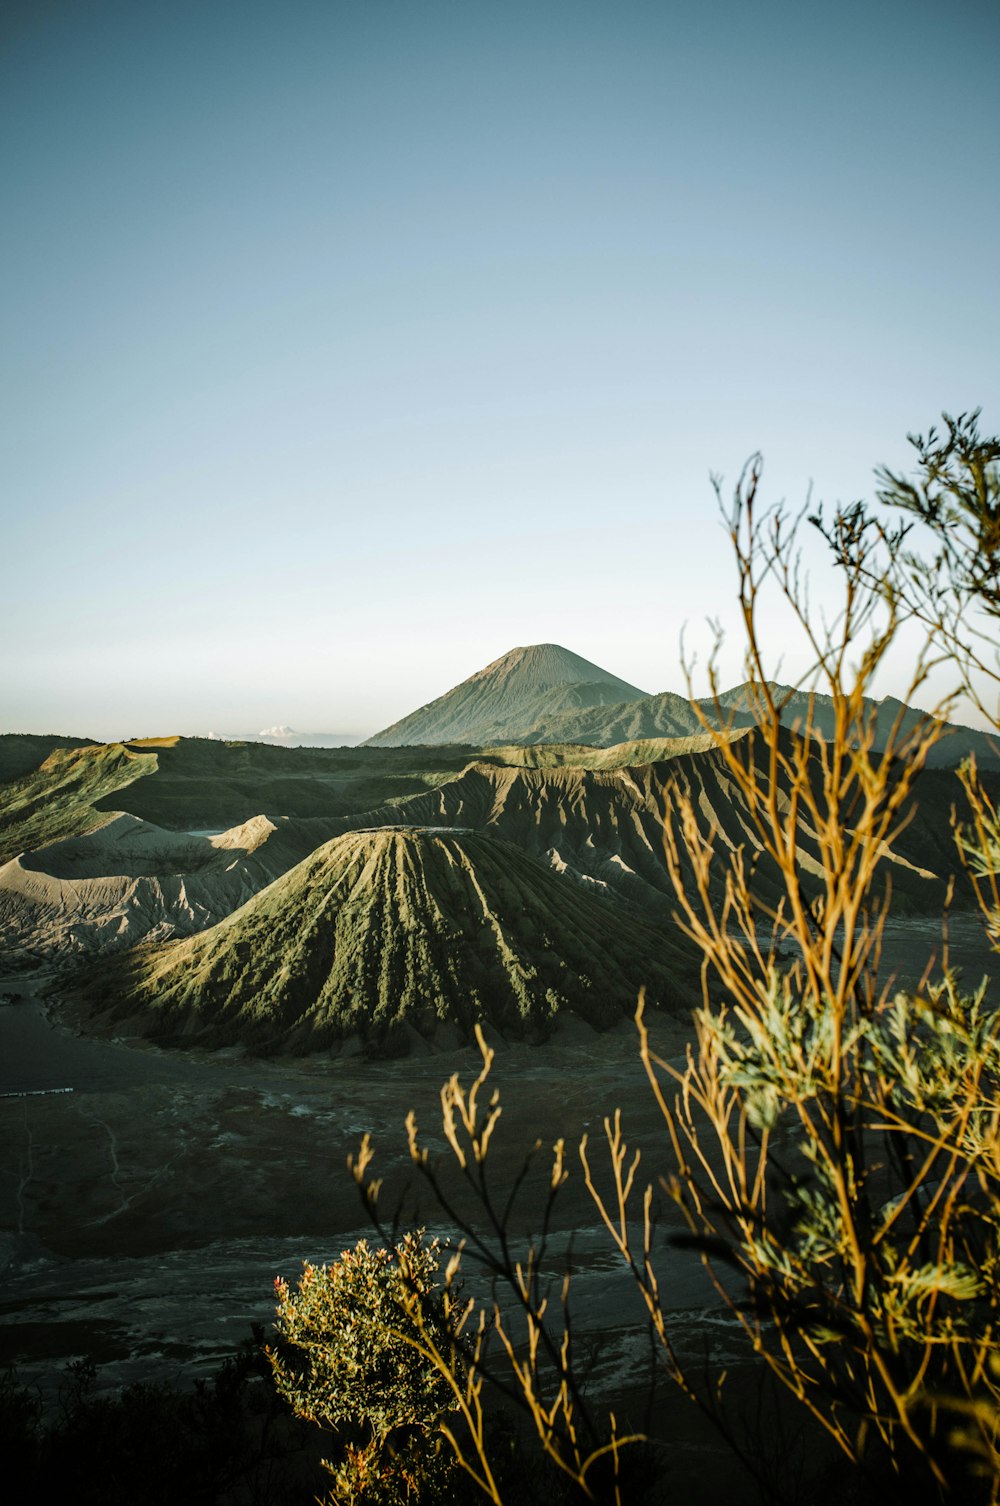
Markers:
348,345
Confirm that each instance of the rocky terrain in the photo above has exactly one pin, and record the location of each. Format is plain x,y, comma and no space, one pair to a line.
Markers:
297,897
383,932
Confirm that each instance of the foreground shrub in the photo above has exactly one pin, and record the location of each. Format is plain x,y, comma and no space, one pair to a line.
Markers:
353,1357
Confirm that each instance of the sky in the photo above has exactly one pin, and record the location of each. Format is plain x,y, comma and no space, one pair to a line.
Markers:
347,344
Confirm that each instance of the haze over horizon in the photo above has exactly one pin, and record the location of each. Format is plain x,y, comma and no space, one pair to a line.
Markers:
348,347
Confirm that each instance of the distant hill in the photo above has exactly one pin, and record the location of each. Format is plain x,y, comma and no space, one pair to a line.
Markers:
649,719
672,716
382,932
504,701
22,752
888,715
192,783
530,697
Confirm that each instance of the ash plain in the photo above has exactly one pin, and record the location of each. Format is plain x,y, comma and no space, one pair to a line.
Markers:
149,1197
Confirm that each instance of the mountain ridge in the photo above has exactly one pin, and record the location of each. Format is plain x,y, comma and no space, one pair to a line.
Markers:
532,696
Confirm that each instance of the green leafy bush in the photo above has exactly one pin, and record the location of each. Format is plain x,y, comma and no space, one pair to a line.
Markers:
353,1356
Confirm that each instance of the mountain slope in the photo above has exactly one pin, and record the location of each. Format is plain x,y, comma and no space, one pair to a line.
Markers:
506,699
603,826
129,881
59,799
667,715
385,929
955,743
22,752
645,719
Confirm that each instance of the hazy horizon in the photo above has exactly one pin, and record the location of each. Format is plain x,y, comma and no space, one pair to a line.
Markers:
347,347
964,714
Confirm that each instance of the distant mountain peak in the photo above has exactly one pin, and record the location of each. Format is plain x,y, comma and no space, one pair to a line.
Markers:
506,697
546,664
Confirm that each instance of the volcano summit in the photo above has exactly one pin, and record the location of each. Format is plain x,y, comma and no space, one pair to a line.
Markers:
504,701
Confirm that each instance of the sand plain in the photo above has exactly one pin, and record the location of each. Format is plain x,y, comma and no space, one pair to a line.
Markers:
146,1212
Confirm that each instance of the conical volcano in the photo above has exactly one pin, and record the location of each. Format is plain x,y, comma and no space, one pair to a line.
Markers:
506,699
390,928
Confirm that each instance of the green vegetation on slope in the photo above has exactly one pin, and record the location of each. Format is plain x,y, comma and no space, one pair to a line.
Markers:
22,752
387,928
201,782
60,799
